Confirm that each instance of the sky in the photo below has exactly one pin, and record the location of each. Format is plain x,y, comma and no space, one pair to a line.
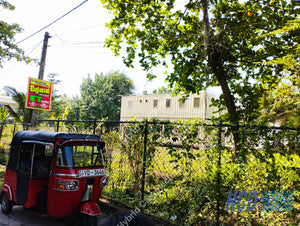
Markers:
75,49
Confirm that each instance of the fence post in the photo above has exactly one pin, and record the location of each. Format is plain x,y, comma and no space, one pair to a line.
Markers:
14,130
219,173
94,128
57,126
144,161
1,129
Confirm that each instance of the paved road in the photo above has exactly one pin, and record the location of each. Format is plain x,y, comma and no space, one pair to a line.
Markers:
23,217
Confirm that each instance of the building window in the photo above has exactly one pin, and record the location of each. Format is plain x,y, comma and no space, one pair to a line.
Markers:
155,103
129,104
168,103
196,102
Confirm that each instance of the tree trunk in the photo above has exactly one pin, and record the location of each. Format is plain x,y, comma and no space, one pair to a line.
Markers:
214,53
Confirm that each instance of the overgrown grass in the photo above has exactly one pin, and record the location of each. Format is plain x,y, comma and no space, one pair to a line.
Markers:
2,172
181,184
186,192
7,135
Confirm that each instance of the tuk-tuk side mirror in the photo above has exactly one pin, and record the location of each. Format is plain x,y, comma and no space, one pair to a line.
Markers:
49,149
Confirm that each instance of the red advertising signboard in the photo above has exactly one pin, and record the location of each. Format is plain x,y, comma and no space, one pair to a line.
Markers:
39,94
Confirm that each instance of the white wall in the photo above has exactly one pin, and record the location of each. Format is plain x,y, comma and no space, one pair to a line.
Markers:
142,107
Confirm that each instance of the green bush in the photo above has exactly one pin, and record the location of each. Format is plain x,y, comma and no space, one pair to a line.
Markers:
185,179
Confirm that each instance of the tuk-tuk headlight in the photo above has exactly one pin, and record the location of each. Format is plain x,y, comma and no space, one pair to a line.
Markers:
72,185
104,181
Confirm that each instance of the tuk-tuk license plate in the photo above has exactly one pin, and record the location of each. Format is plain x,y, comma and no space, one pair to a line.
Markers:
91,173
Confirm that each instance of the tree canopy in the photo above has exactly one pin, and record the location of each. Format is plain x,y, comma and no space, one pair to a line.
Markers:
282,104
59,103
20,113
101,97
8,47
211,43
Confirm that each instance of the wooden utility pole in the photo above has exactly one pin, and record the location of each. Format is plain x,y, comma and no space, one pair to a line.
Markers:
35,113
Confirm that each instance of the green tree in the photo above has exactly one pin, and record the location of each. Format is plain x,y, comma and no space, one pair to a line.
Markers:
282,104
20,113
8,48
162,90
59,103
75,108
3,117
290,61
212,43
101,97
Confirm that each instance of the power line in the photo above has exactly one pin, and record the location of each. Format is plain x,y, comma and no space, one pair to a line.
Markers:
17,64
84,28
33,48
80,42
51,22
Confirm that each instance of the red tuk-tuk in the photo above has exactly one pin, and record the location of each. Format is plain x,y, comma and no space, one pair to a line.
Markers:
60,174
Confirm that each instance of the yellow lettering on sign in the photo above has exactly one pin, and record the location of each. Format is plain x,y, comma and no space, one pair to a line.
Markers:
38,90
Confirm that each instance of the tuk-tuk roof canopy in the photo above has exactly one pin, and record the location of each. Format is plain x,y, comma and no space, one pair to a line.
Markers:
47,136
41,136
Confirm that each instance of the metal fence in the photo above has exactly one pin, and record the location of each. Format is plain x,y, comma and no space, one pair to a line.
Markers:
183,171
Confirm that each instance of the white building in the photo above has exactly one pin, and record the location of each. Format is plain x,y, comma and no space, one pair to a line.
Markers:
5,100
164,106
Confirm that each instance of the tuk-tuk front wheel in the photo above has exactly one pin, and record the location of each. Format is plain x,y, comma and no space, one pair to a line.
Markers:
6,204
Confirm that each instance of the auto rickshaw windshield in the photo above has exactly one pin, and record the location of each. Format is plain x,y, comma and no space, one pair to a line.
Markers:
78,155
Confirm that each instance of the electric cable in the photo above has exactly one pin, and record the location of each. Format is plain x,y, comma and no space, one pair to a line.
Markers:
17,64
51,23
33,48
84,28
